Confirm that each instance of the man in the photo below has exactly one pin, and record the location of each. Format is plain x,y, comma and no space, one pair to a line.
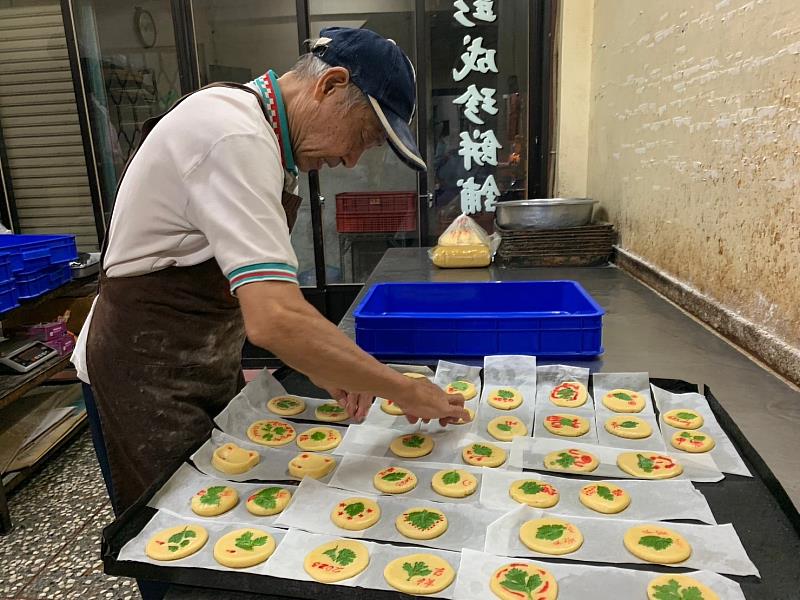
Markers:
198,254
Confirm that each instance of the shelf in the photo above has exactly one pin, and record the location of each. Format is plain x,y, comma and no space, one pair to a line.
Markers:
14,386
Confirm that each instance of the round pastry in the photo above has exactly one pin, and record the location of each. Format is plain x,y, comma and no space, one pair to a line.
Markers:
286,406
268,432
319,439
692,441
421,523
511,581
551,536
394,480
533,492
506,398
311,465
483,455
355,514
412,445
330,412
570,394
454,483
604,497
390,408
571,460
214,500
471,414
566,425
624,401
415,375
631,428
244,548
465,388
419,574
506,428
336,561
683,418
648,465
176,542
657,544
678,586
233,460
268,501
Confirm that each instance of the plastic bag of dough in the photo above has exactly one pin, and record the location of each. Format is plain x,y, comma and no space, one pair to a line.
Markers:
463,244
464,231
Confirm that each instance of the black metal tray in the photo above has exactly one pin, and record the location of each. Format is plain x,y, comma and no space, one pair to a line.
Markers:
759,508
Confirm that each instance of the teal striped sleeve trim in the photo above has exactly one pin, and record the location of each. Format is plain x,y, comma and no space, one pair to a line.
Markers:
262,272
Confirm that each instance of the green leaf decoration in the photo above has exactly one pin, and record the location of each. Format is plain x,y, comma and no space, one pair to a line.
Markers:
418,569
286,404
481,450
414,441
687,416
531,487
396,476
645,464
354,509
451,478
655,542
423,519
622,396
460,386
629,424
517,580
246,541
565,422
317,436
605,493
565,460
505,394
699,438
504,427
266,498
180,539
279,431
212,495
330,409
565,394
173,548
550,532
673,591
343,557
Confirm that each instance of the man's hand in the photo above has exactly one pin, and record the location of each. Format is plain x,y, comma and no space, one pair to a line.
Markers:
424,400
355,403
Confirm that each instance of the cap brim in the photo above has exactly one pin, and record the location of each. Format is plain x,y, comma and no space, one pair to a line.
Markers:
400,137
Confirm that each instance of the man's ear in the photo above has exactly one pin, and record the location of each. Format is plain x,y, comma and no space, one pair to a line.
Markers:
333,78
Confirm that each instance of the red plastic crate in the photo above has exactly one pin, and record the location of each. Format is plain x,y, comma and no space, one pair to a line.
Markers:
368,212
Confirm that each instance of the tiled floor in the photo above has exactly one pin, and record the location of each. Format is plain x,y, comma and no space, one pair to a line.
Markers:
53,552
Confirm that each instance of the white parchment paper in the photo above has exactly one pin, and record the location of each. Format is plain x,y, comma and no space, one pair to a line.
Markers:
377,417
314,501
602,383
714,547
549,376
237,417
287,562
203,558
724,453
577,582
529,453
650,500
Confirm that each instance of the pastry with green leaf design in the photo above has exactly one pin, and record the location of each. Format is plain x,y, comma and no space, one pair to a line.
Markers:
505,398
319,439
570,394
268,501
683,418
604,497
656,544
523,581
571,460
214,500
420,523
330,412
506,427
649,465
419,574
628,427
679,587
534,492
465,388
551,536
244,548
624,401
483,454
394,480
566,425
271,432
412,445
176,542
356,514
454,483
336,561
286,406
693,441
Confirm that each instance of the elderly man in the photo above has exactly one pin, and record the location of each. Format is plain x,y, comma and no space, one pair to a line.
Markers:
198,254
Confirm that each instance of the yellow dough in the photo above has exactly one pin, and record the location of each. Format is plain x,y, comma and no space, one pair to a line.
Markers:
390,408
657,544
604,497
270,432
506,428
394,480
415,375
505,582
483,455
679,586
683,418
454,483
471,414
244,548
268,501
421,523
176,542
632,428
233,460
692,441
623,401
551,536
355,514
286,406
505,398
330,412
412,445
648,465
566,425
570,394
319,439
465,388
571,460
214,500
534,492
336,561
419,574
315,466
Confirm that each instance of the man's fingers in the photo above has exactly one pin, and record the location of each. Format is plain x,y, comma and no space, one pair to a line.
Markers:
456,400
412,419
363,402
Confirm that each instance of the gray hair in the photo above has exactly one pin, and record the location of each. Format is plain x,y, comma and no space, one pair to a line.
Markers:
311,67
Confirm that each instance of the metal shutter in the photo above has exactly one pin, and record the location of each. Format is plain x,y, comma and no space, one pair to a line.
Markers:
39,118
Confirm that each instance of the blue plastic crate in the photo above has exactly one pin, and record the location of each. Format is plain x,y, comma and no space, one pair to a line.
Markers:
5,267
32,253
32,285
542,318
8,295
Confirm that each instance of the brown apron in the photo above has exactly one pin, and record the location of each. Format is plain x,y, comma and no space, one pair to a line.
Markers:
164,357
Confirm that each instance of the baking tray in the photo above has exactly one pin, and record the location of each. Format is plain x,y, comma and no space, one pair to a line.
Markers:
759,508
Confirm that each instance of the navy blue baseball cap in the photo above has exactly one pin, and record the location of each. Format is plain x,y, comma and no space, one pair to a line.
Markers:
380,69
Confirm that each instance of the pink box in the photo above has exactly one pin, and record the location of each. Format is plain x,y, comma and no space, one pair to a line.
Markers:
45,332
63,344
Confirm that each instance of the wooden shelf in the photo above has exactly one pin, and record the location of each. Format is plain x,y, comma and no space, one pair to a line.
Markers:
14,386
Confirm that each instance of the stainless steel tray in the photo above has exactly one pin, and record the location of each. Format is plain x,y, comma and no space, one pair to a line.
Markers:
544,213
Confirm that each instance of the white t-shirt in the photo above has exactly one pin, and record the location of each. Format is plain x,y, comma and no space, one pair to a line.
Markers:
206,183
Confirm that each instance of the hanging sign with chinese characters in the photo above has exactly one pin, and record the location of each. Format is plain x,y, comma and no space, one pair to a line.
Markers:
478,146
